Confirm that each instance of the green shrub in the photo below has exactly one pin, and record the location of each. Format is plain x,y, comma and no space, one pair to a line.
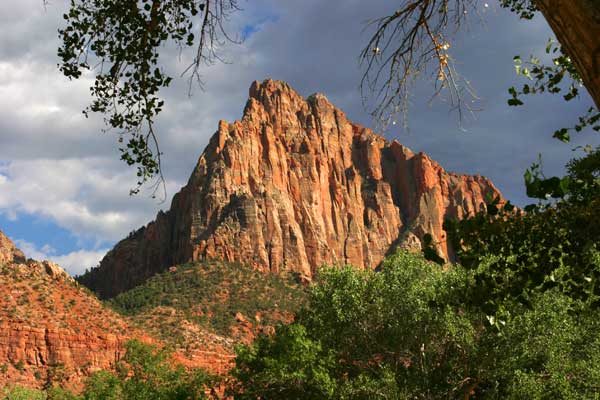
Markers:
21,393
20,365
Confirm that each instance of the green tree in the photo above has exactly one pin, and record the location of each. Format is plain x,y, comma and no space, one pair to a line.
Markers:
290,365
553,244
408,333
147,373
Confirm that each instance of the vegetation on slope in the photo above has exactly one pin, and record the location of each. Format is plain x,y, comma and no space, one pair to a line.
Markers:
214,295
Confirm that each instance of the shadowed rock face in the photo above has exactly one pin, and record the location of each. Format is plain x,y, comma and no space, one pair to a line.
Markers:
292,186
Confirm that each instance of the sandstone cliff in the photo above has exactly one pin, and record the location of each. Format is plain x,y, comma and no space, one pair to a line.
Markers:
292,186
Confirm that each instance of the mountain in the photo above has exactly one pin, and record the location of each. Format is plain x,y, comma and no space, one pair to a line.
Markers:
290,187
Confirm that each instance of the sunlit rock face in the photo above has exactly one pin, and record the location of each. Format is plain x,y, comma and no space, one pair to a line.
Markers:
292,186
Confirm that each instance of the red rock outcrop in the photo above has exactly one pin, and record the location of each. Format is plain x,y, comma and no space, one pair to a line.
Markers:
292,186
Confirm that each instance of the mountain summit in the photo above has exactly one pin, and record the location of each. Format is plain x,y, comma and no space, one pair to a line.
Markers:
290,187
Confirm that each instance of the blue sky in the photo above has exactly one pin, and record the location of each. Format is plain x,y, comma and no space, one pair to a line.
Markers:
64,194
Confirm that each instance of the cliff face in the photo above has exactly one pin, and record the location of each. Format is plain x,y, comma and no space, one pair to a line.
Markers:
292,186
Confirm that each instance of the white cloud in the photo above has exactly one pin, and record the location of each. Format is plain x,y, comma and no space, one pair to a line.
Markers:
83,196
75,263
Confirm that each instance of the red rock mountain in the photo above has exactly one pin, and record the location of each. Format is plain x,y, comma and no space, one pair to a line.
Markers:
292,186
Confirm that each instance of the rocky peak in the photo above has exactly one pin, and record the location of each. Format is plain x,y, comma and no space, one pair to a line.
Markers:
291,186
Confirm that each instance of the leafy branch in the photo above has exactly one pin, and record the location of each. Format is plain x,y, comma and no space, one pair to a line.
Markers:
551,79
119,41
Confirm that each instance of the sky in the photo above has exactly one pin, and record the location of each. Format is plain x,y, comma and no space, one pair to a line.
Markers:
64,195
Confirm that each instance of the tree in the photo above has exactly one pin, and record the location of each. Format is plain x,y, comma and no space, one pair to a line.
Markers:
120,41
554,244
146,373
418,36
21,393
407,332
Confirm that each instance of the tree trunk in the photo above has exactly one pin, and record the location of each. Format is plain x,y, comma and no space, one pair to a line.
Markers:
576,24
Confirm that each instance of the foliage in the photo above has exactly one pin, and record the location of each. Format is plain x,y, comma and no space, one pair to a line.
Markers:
289,366
218,289
406,333
523,8
57,393
549,78
21,393
120,41
550,245
146,373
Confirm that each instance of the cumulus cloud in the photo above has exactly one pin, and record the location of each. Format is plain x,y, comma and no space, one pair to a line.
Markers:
83,196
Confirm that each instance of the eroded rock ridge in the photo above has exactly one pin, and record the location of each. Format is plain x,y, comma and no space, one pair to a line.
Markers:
290,187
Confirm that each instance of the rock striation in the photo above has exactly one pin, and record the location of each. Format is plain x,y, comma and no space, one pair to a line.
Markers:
291,186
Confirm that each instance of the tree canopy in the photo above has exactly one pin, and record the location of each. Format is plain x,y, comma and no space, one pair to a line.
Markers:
408,333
